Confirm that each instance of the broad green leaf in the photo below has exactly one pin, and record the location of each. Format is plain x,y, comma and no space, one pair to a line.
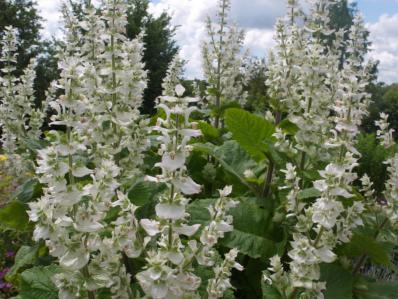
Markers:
14,216
36,283
198,210
376,290
208,131
309,193
143,192
29,191
25,256
36,144
250,244
251,224
339,282
250,131
235,161
361,244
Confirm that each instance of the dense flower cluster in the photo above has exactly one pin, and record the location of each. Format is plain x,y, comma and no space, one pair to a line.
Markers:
169,271
222,60
20,120
310,89
92,161
99,108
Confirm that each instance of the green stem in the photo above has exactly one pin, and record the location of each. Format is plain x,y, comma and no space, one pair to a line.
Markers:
219,60
271,165
86,274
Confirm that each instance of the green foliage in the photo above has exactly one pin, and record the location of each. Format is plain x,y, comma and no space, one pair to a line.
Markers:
309,193
160,47
36,283
376,290
372,160
25,256
362,244
252,132
257,97
339,281
28,191
384,99
142,192
251,224
14,216
23,15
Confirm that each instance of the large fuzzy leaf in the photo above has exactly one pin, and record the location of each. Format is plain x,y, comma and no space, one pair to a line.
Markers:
251,224
25,256
250,244
252,132
376,290
14,216
361,244
29,191
36,283
339,282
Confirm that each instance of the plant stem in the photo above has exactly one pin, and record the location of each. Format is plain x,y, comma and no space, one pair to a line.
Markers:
219,60
86,274
268,180
271,166
293,294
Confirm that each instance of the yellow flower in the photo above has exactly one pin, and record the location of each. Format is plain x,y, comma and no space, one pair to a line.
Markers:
3,158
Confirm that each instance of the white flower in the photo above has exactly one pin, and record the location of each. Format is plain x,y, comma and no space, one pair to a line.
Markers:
150,226
74,260
187,186
170,211
172,161
326,212
179,90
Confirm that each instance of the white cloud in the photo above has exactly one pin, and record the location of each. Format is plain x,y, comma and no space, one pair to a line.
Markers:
256,17
384,36
50,11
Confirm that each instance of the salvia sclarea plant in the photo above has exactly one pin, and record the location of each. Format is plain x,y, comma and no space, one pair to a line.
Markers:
84,168
246,206
20,120
223,62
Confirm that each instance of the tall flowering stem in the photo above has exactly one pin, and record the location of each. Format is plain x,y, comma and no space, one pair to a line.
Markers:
20,120
169,271
102,80
222,61
327,222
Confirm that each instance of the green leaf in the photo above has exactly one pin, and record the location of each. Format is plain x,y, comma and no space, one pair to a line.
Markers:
251,223
208,131
25,256
29,191
14,216
36,283
234,160
361,244
249,244
309,193
376,290
143,192
288,127
339,282
34,144
251,131
198,210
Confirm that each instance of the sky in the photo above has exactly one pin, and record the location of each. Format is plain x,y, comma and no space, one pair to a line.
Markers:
257,18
